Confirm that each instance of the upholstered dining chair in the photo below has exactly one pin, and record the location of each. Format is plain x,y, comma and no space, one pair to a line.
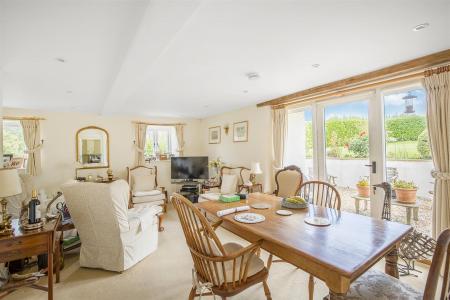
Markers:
144,187
288,181
322,194
378,285
227,268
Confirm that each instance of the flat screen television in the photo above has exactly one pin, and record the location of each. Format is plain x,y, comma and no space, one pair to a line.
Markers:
189,168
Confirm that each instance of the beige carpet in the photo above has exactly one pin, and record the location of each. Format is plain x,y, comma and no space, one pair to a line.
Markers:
166,274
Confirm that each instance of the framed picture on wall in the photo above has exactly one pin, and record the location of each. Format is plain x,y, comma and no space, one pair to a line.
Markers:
214,135
240,131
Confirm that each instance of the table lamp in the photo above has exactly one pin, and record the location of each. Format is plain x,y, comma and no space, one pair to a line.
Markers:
9,186
256,169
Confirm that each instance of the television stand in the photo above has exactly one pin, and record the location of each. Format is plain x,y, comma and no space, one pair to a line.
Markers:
190,190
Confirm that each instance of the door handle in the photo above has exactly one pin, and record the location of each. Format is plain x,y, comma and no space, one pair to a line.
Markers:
373,165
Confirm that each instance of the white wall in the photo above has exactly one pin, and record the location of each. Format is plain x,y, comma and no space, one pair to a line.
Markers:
257,149
58,152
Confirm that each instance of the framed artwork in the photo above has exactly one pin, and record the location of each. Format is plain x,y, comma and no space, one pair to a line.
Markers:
240,131
214,135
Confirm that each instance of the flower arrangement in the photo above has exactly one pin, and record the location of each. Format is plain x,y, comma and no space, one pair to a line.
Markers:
217,163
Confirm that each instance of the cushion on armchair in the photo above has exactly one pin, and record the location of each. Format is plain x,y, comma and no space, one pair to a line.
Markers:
143,182
229,184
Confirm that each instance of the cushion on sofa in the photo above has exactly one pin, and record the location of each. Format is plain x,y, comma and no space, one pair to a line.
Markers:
142,183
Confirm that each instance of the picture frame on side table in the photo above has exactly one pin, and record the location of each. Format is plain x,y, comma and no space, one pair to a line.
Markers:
240,131
214,135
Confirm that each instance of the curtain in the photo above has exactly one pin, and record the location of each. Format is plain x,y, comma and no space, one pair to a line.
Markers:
437,83
32,137
279,131
140,136
180,138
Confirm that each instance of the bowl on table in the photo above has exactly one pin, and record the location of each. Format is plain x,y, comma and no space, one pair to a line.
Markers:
296,202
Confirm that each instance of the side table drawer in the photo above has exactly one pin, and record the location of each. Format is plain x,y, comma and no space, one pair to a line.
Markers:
18,248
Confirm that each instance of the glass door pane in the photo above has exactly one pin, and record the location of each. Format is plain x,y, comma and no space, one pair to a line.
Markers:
408,157
347,153
299,146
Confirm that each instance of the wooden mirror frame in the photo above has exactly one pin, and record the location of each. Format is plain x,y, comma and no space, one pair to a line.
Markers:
107,147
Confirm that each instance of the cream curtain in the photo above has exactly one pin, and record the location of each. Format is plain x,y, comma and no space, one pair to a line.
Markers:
437,83
279,131
140,136
179,129
32,137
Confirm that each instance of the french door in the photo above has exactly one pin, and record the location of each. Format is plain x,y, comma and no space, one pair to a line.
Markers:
371,137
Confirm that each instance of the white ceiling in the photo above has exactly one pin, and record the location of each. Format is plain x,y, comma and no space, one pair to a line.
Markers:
189,58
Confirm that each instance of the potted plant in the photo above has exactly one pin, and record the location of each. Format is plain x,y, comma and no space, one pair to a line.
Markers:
363,188
405,190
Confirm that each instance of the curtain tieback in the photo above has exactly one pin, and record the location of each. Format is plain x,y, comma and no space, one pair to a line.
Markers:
32,150
440,175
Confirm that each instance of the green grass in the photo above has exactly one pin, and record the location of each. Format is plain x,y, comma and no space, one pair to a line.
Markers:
402,150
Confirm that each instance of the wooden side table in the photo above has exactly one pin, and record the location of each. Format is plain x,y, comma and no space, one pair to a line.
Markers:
22,244
257,187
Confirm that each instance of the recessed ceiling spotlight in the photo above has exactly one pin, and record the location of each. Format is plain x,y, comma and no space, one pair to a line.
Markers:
421,26
252,76
60,59
205,106
315,66
245,91
69,92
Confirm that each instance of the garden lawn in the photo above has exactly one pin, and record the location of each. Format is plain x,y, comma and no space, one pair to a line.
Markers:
402,150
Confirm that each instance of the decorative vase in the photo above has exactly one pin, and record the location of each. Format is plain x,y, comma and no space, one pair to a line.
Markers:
363,191
406,195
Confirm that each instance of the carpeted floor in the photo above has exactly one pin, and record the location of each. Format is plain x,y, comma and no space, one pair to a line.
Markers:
166,274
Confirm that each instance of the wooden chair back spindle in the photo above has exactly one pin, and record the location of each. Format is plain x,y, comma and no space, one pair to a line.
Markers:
321,193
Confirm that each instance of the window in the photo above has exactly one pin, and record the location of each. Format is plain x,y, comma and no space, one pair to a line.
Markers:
13,142
299,145
160,140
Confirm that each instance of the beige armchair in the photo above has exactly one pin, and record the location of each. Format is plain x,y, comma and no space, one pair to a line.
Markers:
144,187
230,179
288,181
112,236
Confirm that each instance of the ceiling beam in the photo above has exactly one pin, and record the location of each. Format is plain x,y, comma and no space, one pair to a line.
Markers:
370,78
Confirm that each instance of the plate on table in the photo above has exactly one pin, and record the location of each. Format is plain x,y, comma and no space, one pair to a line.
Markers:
261,206
284,212
249,218
317,221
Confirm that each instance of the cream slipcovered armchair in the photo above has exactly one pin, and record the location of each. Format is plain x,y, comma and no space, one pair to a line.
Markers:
113,237
288,181
144,187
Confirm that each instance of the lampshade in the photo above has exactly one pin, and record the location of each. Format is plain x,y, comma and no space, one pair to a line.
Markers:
9,183
256,168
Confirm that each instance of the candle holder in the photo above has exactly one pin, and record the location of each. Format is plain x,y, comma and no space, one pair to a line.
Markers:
5,224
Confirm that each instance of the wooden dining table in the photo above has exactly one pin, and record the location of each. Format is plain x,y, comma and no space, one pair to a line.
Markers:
336,254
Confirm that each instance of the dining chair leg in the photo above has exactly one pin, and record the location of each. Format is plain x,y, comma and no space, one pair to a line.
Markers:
269,262
311,287
192,293
267,290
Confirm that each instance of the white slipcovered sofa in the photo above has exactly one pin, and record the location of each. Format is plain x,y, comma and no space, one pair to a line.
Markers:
113,237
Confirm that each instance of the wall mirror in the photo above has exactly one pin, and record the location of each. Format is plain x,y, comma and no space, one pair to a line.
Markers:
92,147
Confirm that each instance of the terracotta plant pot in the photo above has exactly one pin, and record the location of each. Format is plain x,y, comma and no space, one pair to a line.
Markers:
363,191
406,195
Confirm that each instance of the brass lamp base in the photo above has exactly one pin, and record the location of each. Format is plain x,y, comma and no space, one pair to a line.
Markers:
253,178
5,225
6,232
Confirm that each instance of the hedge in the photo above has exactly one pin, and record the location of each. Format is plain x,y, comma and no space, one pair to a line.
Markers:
345,130
405,127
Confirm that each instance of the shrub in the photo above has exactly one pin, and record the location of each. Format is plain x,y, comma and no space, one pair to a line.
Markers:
344,129
360,146
423,145
405,127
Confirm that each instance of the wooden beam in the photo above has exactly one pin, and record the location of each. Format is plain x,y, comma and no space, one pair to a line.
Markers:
384,74
12,118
